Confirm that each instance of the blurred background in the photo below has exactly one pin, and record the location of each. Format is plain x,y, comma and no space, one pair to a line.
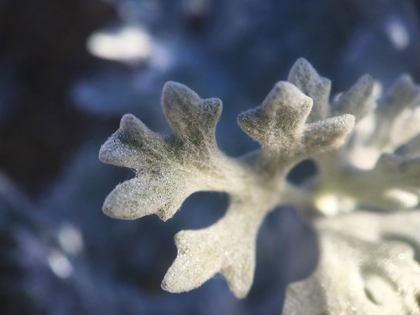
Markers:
70,69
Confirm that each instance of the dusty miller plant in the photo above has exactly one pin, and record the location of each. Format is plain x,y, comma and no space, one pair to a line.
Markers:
368,260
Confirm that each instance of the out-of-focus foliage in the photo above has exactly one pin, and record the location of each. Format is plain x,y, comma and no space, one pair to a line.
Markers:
369,265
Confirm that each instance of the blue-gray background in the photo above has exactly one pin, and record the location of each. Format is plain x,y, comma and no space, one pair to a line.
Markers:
60,100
